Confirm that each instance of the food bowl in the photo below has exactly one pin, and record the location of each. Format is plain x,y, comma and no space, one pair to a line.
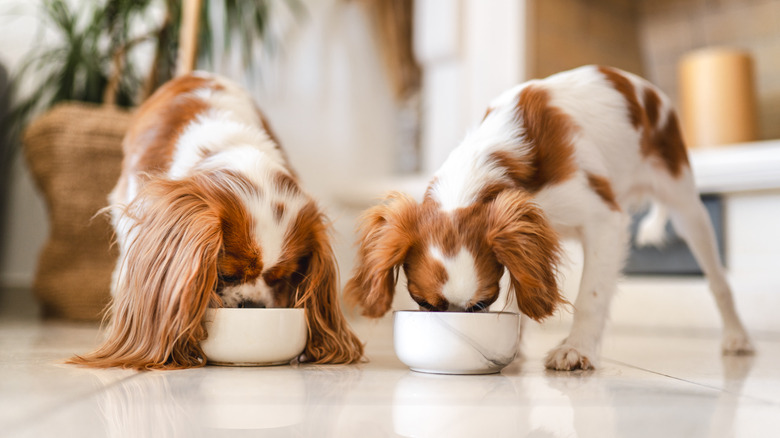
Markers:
254,337
456,342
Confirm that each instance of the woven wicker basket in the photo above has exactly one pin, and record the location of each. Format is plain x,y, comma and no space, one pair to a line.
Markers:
74,153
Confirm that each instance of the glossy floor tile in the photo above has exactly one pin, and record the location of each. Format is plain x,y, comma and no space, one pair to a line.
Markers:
670,384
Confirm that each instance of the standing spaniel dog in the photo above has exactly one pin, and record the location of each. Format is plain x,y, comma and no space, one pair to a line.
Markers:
569,155
208,212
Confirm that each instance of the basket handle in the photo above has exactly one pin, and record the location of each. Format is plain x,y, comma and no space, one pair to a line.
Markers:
117,59
188,37
188,48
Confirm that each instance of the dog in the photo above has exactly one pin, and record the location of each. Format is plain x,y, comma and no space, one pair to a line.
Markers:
566,156
208,212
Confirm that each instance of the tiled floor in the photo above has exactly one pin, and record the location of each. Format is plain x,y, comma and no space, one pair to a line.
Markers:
672,384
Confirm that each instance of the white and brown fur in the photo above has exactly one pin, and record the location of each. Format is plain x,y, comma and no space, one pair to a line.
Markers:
208,212
566,156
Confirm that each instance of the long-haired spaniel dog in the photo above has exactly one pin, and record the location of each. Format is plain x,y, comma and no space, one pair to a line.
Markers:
208,212
566,156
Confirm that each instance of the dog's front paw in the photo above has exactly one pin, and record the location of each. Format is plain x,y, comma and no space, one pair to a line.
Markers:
737,344
567,357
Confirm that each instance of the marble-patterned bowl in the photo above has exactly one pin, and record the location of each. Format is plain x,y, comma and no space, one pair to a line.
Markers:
254,337
456,342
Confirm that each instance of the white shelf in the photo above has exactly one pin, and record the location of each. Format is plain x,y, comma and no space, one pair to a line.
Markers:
738,167
727,169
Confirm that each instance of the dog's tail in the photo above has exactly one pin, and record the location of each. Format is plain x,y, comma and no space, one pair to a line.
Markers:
652,228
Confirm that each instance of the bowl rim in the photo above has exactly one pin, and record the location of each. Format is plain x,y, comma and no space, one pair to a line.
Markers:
257,309
459,312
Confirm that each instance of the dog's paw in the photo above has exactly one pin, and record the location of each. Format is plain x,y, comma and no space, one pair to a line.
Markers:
737,344
568,358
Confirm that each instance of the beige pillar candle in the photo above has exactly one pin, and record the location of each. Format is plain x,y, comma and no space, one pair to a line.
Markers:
717,97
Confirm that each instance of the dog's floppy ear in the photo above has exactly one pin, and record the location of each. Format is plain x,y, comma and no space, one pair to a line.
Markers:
330,338
167,281
523,241
385,237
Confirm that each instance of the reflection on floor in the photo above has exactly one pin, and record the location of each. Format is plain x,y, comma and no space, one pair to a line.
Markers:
650,384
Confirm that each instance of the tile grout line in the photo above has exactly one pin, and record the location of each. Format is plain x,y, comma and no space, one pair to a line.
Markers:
703,385
18,425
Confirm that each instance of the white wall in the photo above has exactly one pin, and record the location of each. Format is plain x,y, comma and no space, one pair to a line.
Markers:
329,100
470,52
25,229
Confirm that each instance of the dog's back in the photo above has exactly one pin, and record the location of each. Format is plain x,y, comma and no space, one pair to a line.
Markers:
186,122
596,129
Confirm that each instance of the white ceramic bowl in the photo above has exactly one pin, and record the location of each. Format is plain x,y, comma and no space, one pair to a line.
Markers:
254,337
456,342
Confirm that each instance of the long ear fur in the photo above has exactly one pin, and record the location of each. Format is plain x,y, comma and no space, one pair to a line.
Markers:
385,238
528,247
330,338
168,279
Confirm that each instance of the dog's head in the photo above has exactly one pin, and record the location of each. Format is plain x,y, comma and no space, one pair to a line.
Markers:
454,260
216,238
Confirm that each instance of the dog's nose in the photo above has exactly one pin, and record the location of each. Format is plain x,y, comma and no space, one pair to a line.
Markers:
249,304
